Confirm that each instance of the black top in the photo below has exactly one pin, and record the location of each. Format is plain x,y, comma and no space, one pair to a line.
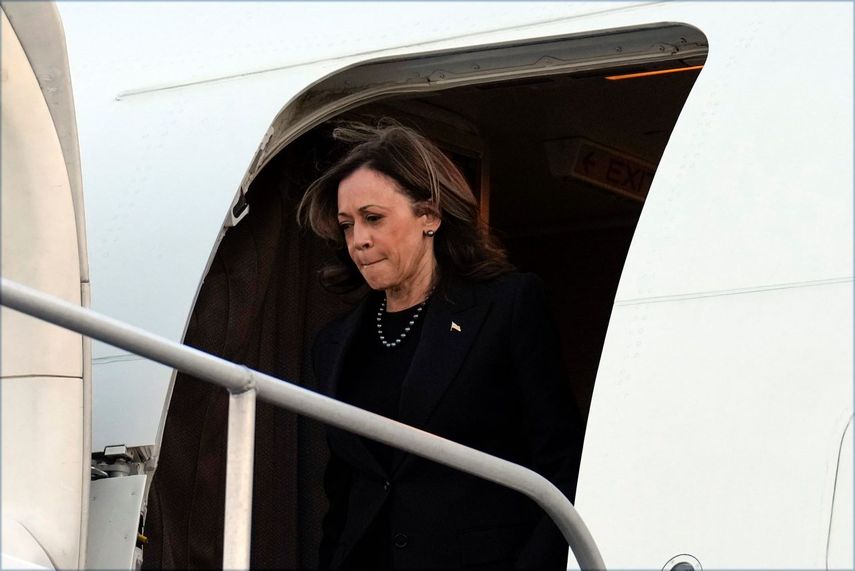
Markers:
373,373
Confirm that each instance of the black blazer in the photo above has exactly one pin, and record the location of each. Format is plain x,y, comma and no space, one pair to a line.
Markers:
497,385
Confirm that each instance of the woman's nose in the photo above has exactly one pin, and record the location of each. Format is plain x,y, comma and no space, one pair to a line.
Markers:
361,237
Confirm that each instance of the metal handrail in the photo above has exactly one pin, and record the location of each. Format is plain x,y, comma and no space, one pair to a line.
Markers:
244,383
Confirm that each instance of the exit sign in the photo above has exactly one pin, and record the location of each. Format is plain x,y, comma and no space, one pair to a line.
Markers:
602,166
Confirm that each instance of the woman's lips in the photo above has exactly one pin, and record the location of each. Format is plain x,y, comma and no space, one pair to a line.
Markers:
367,264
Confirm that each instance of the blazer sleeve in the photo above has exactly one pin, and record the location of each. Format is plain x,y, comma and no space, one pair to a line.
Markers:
551,420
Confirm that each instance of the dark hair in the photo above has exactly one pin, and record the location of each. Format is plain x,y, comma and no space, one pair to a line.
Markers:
463,245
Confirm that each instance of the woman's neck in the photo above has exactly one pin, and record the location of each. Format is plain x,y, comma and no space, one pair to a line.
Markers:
412,293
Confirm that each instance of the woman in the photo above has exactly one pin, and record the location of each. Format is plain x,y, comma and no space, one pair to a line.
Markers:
449,340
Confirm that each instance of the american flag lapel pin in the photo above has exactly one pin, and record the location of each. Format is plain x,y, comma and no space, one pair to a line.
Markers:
455,327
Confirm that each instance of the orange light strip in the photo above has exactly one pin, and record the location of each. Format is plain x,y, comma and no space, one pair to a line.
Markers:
649,73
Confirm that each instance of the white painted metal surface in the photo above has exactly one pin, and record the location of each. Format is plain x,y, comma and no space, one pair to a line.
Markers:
726,379
39,30
10,562
26,562
39,236
755,186
239,469
115,505
20,548
41,446
715,429
840,549
45,435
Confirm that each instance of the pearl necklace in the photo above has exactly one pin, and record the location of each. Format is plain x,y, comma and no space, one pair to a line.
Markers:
400,339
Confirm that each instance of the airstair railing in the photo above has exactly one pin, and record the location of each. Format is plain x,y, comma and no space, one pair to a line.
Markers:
245,384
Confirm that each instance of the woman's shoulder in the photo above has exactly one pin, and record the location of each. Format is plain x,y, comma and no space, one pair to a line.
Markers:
508,290
513,283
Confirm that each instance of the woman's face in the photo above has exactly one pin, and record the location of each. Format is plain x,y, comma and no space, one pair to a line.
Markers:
385,238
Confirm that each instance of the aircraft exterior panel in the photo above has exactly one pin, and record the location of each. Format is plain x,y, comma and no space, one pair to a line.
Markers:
45,447
755,185
725,382
39,242
840,548
115,508
42,438
715,428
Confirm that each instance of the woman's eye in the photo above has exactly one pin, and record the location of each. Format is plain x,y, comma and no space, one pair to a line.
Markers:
345,226
372,218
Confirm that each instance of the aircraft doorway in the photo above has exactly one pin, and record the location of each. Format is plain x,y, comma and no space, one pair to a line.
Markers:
561,163
523,146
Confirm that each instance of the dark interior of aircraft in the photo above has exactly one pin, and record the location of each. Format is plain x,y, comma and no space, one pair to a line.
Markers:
261,303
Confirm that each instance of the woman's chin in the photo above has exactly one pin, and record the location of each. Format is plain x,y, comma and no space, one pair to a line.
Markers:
374,283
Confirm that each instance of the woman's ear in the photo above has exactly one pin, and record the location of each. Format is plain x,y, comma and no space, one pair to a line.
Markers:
431,222
429,216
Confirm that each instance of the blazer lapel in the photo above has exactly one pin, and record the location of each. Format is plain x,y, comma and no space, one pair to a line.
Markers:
452,323
348,444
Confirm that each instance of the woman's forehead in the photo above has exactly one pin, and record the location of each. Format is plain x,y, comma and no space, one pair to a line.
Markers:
366,188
